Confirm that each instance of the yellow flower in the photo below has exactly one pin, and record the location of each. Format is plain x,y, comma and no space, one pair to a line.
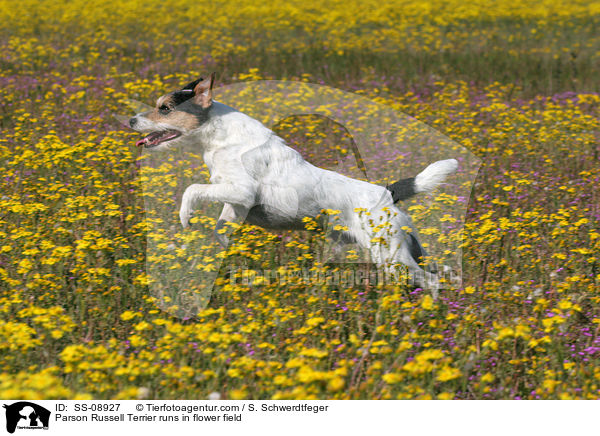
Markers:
143,325
335,384
487,378
128,314
313,322
314,352
427,302
550,385
392,378
238,394
448,373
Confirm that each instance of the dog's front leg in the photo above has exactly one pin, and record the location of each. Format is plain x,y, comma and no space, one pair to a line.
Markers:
227,215
224,193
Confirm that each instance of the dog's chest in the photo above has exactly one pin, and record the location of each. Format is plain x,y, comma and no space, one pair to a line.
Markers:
226,172
226,166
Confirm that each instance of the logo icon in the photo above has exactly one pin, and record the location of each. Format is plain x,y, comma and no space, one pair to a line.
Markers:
26,415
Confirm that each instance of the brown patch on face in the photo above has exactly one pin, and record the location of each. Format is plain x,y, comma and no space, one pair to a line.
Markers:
164,112
182,120
176,119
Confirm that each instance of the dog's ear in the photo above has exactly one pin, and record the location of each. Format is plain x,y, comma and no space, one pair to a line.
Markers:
190,86
203,91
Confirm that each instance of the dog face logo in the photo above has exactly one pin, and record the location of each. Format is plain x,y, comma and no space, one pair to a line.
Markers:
26,415
175,116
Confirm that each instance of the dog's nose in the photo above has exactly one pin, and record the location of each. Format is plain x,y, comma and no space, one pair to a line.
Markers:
132,121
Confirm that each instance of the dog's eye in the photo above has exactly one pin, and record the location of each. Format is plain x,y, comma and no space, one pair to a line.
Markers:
164,109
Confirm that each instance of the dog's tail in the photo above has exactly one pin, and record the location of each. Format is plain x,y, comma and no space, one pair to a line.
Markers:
427,180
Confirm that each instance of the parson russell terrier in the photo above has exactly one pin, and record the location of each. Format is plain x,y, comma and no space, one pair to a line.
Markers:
259,178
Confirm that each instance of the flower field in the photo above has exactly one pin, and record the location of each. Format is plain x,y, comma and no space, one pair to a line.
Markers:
513,82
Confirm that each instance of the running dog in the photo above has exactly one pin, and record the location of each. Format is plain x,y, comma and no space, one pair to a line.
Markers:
258,178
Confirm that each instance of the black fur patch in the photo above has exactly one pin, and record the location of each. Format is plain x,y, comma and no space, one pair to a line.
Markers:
185,93
417,252
180,97
192,85
402,189
182,102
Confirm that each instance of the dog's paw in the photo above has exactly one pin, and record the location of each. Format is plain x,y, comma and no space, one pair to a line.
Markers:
185,213
221,237
186,210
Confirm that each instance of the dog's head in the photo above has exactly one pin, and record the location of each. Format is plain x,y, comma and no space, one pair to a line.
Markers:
176,115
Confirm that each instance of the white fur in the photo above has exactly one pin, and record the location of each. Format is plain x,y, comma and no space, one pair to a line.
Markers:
251,166
433,176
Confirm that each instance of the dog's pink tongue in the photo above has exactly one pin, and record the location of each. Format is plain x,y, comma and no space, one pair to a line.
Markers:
141,142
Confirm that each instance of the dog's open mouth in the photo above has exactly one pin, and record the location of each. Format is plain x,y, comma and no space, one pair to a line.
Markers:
155,138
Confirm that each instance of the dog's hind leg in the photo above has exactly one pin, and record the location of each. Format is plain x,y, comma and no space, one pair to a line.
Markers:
418,253
404,252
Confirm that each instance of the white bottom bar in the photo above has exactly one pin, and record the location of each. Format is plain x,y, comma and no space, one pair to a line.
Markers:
300,417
